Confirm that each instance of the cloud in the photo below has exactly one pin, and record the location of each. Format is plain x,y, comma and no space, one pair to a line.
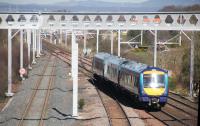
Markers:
57,1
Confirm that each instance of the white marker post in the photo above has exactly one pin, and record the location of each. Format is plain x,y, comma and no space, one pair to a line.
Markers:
75,74
9,93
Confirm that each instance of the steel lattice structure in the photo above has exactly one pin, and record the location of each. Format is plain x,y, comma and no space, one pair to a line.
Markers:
87,21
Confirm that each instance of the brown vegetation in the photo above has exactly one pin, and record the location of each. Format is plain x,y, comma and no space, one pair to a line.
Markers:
173,8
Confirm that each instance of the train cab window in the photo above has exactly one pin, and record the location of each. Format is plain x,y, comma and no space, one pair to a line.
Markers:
153,80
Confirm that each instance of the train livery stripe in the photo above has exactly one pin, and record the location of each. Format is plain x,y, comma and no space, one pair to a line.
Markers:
154,91
153,72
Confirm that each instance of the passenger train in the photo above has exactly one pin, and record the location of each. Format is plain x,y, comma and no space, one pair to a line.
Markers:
149,84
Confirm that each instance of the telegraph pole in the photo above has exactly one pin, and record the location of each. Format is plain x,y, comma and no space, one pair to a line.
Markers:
155,49
192,64
119,39
34,46
111,42
75,73
97,44
9,93
21,52
29,45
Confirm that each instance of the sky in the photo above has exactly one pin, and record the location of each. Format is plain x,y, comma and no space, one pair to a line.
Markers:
57,1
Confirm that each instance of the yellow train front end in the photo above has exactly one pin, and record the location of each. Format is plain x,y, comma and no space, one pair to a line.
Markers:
154,87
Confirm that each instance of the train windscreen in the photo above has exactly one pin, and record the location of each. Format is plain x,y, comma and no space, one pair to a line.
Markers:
154,80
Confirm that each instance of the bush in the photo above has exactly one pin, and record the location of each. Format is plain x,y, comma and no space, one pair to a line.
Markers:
15,61
171,83
185,72
81,103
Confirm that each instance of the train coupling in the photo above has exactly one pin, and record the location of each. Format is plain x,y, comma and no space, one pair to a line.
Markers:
153,101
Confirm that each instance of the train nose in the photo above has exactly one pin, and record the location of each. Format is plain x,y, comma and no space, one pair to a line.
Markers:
154,91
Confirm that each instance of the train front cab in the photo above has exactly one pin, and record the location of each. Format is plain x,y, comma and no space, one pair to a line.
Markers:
153,87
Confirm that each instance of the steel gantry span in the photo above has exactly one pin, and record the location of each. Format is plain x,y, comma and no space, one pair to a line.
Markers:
86,21
31,23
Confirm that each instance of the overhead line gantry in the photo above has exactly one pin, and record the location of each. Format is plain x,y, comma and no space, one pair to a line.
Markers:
33,22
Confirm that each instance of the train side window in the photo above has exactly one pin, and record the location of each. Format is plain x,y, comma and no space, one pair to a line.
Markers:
108,69
122,77
129,80
115,72
111,71
136,82
133,83
126,79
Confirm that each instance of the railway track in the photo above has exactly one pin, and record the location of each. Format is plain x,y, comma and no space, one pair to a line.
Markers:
116,114
178,110
35,111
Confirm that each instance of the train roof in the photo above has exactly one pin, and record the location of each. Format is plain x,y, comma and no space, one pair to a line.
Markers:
139,67
102,55
134,66
115,60
126,64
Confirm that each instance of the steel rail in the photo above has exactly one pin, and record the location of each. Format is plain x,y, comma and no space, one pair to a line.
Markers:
109,118
44,108
32,96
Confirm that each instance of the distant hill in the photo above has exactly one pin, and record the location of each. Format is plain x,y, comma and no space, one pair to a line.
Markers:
98,6
171,8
